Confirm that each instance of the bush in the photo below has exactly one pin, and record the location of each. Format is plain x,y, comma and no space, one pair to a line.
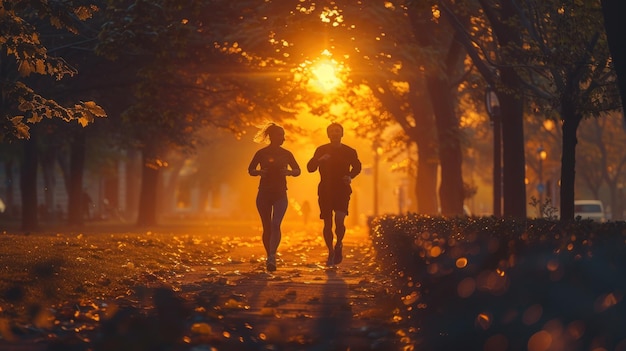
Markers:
500,284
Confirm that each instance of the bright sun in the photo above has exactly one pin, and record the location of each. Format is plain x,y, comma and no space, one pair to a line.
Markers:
325,74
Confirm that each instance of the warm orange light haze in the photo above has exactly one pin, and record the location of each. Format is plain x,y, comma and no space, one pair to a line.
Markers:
326,74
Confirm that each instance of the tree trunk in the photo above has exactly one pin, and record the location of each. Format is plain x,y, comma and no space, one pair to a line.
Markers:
28,183
514,159
425,137
133,182
568,162
168,196
450,155
49,182
148,194
426,188
63,162
439,38
512,121
75,206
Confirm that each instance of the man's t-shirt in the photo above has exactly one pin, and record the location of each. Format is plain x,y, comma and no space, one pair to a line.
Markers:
343,162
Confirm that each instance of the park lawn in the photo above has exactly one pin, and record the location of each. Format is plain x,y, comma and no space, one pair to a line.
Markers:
43,273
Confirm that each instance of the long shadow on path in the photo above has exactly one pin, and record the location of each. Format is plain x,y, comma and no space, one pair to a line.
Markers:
303,305
335,314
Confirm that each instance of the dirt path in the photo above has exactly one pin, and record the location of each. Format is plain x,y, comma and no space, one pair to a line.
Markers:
303,305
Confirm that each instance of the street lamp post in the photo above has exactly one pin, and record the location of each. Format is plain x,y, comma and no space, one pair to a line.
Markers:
493,109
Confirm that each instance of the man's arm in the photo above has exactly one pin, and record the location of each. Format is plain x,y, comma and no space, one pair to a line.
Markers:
355,165
314,162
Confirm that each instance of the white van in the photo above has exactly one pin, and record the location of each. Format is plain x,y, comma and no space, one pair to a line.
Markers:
589,209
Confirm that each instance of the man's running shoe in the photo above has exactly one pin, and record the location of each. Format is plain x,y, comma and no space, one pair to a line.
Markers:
331,260
338,253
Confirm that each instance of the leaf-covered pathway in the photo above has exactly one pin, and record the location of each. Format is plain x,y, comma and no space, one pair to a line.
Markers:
303,305
206,288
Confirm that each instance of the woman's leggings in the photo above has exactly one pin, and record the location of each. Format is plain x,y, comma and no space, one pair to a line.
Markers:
272,207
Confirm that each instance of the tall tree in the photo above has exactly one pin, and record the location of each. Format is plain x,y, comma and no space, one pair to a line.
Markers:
439,37
603,161
554,53
186,79
512,106
569,72
615,27
486,29
23,54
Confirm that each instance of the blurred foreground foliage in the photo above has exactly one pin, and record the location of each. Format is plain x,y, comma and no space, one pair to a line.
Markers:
497,284
96,291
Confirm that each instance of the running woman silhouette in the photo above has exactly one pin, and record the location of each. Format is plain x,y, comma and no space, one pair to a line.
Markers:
273,164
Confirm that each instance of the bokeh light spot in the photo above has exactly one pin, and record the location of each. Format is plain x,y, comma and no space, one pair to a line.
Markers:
435,251
540,341
605,301
433,268
466,287
532,314
553,265
494,282
483,321
576,329
411,298
461,262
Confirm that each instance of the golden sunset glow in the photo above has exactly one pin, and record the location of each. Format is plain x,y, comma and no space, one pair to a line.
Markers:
325,75
312,175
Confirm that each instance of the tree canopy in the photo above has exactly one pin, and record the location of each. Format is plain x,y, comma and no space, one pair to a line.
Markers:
23,53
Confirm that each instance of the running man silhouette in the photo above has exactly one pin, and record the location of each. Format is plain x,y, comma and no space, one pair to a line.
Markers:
338,164
273,164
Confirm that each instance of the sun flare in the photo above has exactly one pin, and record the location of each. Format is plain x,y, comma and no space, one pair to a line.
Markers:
325,74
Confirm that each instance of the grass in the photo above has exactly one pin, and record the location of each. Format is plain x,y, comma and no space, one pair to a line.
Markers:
101,262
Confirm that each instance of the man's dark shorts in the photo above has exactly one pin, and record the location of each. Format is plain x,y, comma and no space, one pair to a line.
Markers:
333,200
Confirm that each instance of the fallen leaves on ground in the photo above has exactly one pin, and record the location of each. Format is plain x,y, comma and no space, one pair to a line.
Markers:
191,290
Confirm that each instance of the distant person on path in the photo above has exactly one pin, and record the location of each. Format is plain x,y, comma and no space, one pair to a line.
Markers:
306,211
272,163
338,164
